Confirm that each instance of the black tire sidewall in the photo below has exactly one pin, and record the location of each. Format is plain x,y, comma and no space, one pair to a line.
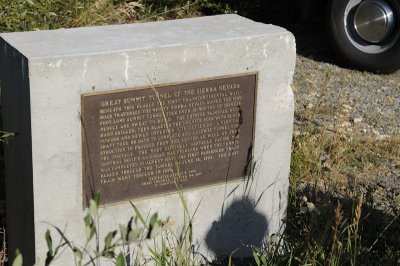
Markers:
385,62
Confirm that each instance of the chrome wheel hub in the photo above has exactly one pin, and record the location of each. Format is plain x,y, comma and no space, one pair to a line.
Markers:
374,21
372,26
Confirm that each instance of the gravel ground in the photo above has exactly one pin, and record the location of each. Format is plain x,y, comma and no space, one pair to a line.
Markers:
360,103
354,104
362,106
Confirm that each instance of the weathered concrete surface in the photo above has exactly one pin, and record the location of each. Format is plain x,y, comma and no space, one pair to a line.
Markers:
56,67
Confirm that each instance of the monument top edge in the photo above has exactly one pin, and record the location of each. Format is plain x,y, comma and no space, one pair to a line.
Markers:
137,36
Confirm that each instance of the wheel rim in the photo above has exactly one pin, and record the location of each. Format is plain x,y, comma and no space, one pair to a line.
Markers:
374,21
372,26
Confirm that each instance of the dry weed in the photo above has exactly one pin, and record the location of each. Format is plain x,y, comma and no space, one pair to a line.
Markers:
323,156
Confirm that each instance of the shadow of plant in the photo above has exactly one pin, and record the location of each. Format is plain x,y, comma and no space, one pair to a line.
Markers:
239,227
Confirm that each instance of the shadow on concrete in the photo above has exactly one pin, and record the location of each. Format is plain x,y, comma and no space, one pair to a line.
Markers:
311,230
239,227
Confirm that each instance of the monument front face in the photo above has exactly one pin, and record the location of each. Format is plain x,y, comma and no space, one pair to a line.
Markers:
136,111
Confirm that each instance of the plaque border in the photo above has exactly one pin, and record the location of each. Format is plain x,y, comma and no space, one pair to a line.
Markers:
85,148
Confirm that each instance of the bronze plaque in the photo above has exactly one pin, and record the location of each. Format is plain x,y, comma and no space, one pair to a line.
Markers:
143,142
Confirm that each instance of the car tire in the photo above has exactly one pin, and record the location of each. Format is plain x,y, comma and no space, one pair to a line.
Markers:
372,47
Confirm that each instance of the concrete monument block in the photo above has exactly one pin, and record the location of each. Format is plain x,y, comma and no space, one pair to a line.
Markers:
114,108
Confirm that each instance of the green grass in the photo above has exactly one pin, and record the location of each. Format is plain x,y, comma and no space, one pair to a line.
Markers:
27,15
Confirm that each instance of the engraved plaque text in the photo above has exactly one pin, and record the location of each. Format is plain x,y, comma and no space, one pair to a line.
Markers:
149,141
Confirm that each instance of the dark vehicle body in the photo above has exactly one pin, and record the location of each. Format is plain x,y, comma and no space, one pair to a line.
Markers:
365,34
